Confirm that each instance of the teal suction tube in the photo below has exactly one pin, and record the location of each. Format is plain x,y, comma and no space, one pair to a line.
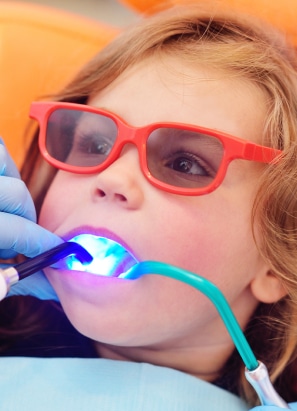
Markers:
256,372
212,292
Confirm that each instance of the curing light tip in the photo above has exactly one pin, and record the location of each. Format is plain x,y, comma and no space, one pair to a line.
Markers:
110,259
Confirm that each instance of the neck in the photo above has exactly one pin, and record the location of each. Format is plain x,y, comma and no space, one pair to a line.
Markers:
204,363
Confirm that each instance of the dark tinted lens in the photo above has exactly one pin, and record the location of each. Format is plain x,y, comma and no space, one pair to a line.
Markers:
80,138
183,158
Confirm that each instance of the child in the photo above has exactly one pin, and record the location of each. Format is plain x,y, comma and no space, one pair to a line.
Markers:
168,192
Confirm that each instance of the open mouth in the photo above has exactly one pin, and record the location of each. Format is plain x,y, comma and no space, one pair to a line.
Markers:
110,258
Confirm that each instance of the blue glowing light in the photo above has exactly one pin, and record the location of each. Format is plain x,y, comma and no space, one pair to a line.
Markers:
109,257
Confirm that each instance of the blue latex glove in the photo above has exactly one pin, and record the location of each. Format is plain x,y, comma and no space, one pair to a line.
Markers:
293,406
19,233
36,285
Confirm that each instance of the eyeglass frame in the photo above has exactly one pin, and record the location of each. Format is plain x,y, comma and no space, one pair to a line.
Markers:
234,147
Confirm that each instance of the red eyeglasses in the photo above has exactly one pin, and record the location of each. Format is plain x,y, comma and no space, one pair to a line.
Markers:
178,158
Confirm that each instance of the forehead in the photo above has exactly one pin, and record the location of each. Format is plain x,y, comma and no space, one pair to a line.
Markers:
167,89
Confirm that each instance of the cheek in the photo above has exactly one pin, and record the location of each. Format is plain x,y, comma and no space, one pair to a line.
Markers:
59,199
213,239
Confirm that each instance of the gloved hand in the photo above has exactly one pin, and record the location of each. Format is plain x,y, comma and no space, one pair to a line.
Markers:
19,233
293,406
37,285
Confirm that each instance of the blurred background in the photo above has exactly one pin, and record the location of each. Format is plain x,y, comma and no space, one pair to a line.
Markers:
110,11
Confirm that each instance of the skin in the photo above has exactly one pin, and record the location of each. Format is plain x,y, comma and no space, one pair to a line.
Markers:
156,319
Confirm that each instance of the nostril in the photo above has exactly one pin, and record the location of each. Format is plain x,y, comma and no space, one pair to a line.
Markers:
117,196
101,193
120,197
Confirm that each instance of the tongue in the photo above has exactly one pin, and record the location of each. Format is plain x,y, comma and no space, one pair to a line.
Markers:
110,258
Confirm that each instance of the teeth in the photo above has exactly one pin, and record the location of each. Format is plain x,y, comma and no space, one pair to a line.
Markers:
109,257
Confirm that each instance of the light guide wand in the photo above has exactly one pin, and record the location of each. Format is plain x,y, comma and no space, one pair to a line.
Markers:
12,275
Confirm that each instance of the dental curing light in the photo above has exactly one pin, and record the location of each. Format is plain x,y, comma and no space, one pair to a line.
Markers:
12,275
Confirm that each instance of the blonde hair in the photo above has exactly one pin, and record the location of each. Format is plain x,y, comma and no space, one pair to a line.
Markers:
251,51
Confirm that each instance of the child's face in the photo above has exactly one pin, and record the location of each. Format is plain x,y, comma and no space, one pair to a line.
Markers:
209,235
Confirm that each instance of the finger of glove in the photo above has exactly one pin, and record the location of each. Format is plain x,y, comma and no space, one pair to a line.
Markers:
7,165
21,236
15,198
37,285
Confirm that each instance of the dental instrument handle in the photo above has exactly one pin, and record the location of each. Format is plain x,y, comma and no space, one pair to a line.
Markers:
7,277
260,381
12,275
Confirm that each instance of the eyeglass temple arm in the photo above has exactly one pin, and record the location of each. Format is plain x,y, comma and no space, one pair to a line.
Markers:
255,152
256,372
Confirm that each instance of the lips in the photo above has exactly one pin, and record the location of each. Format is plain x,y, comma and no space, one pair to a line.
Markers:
110,258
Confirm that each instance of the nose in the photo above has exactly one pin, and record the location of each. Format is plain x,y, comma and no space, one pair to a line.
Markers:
121,182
